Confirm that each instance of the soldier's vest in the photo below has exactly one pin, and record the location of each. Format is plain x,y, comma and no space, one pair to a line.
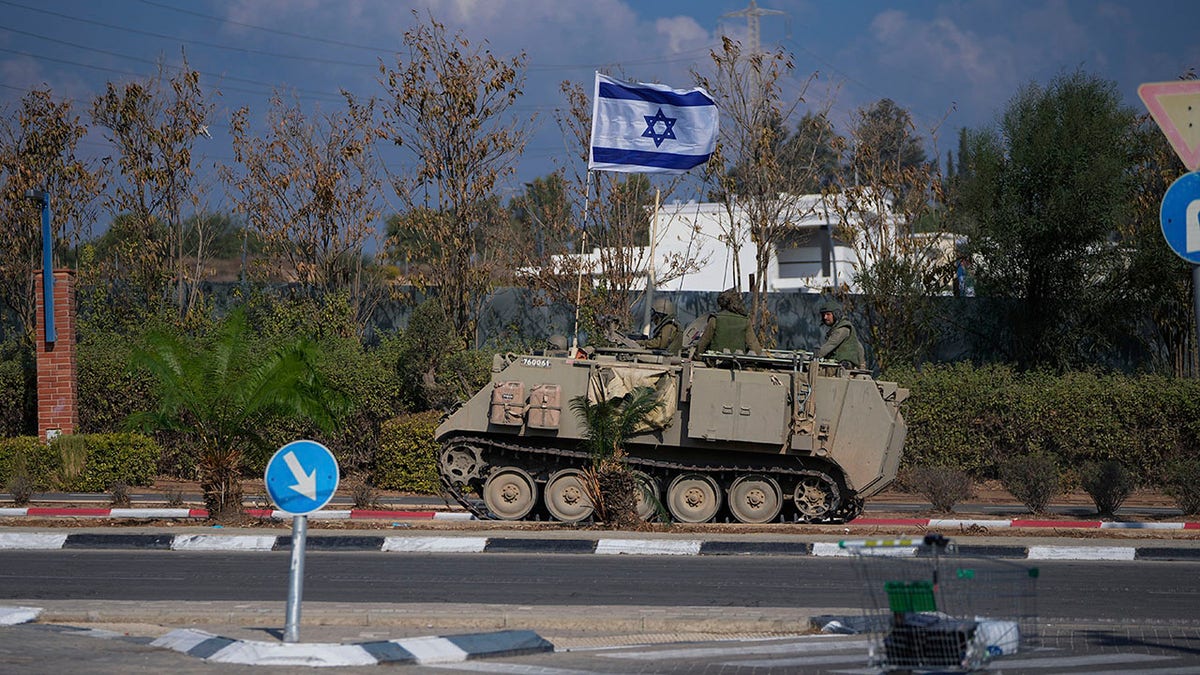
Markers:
851,348
729,333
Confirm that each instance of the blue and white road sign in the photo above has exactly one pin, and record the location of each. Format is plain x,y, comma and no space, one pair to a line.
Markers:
302,477
1180,217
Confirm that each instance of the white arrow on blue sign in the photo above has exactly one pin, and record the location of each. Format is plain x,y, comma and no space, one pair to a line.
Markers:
1180,217
302,477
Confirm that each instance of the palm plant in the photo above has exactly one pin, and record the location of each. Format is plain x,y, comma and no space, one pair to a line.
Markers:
610,484
220,394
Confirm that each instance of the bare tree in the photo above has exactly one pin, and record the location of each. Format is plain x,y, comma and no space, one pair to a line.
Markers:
309,187
449,101
154,126
887,205
753,168
38,145
617,226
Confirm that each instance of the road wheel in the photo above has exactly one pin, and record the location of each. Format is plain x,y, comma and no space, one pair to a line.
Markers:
693,498
817,496
509,493
566,498
649,495
755,499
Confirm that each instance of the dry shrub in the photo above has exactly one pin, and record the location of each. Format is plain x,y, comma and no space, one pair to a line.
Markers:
1109,484
1033,479
21,489
942,486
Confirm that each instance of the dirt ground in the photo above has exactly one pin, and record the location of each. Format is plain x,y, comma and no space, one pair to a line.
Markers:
988,493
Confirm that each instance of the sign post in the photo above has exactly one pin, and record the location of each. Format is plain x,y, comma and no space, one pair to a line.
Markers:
300,478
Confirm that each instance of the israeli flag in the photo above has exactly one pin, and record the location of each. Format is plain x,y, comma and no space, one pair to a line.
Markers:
650,128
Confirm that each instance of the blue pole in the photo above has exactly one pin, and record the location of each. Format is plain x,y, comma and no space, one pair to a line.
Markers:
43,197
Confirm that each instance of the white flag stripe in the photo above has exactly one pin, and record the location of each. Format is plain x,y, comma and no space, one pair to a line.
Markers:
621,122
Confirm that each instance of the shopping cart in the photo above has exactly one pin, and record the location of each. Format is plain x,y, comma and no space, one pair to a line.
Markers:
926,606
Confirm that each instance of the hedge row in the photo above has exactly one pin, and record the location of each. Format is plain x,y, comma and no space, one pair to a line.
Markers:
974,417
80,462
407,457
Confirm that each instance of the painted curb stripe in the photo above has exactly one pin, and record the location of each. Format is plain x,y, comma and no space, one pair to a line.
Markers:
11,512
435,544
213,542
67,512
293,654
433,650
918,522
513,545
1141,526
149,513
11,616
933,522
1057,523
1081,553
452,515
755,548
183,640
647,547
347,543
360,514
388,651
505,643
996,551
333,514
120,541
1168,553
31,541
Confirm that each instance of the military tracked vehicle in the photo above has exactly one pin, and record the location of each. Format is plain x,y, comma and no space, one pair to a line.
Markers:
759,438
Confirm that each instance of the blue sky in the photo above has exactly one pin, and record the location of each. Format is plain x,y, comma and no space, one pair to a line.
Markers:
951,63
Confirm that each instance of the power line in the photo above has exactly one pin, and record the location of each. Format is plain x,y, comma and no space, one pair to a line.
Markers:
201,43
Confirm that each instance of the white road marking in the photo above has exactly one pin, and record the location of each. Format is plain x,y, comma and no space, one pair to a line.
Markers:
647,547
434,544
1081,553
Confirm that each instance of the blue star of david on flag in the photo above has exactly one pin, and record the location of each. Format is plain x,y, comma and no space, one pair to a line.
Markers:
652,125
650,128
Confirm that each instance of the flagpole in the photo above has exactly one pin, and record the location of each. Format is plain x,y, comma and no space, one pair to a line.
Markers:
587,196
651,280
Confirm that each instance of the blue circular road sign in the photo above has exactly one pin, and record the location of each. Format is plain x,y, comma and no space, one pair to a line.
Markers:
1180,217
302,477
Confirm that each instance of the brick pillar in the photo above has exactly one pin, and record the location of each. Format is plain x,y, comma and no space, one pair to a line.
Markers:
57,385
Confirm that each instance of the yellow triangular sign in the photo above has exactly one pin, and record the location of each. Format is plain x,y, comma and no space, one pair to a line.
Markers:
1176,108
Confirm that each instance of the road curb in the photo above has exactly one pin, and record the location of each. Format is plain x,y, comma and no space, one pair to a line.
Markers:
421,650
376,514
524,545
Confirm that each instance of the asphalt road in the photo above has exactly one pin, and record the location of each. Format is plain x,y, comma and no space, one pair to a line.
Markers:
1093,590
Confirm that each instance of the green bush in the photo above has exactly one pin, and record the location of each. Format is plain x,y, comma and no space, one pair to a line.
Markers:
971,418
1183,483
1108,483
1032,479
109,391
126,458
408,456
18,389
27,457
103,460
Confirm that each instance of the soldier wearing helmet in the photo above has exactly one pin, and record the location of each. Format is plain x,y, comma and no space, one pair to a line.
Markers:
665,333
729,329
841,340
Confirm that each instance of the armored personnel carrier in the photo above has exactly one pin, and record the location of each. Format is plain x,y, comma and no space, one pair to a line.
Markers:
759,438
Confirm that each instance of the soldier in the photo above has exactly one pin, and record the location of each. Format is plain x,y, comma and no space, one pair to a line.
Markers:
841,340
665,333
730,328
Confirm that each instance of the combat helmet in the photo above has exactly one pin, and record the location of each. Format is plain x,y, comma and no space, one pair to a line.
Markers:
663,306
830,305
